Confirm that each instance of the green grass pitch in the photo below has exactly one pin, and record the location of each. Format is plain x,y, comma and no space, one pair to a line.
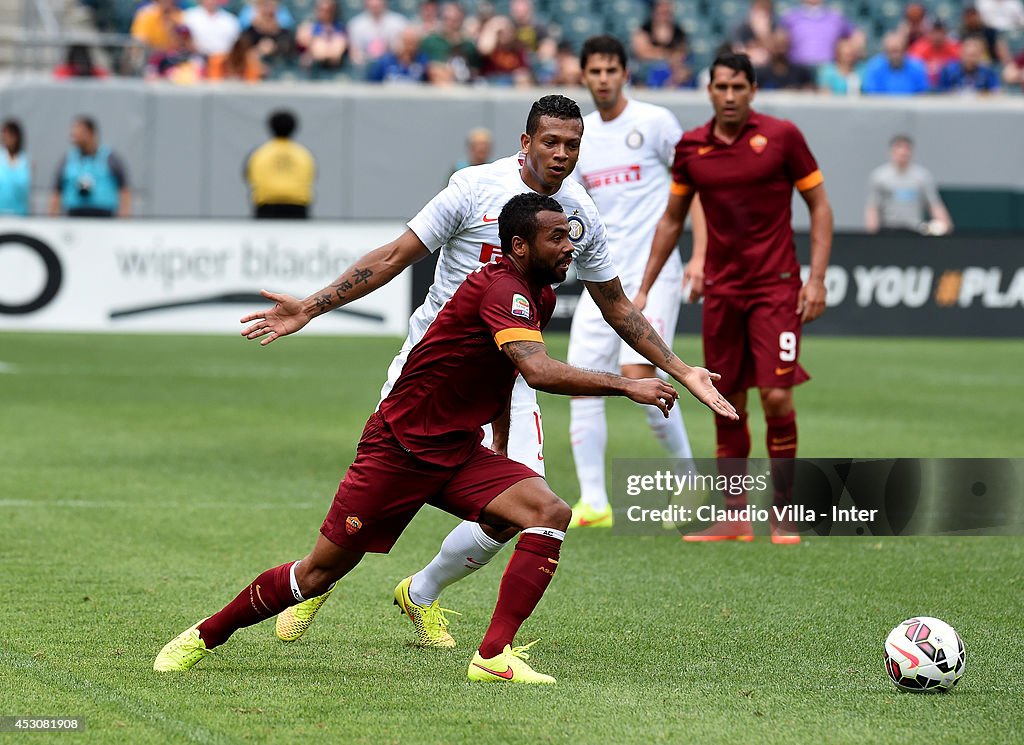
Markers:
145,479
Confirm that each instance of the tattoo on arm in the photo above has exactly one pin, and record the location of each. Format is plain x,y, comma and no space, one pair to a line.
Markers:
340,288
518,351
610,290
324,302
634,328
362,275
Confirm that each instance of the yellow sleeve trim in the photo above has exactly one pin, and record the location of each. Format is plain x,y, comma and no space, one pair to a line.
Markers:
506,335
810,181
680,190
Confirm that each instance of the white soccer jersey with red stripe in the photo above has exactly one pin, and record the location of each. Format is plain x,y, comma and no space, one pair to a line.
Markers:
625,165
462,221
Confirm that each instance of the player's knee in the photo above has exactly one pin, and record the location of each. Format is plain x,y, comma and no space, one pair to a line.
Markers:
553,513
777,401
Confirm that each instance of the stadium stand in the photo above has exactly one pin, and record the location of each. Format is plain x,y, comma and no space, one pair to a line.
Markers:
707,23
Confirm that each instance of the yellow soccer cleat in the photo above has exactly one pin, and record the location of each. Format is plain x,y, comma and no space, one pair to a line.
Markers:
292,622
509,666
182,652
585,516
430,622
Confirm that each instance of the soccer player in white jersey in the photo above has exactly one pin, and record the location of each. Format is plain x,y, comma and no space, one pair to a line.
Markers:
625,164
462,222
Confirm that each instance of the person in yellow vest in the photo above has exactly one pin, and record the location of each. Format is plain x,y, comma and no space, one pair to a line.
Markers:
280,172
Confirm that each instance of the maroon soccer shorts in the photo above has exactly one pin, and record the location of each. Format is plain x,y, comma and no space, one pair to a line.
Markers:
386,486
753,339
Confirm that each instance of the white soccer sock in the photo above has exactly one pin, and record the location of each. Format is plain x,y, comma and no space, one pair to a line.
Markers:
671,433
296,592
463,551
588,432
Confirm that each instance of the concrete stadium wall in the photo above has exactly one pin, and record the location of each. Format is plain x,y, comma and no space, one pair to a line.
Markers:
383,152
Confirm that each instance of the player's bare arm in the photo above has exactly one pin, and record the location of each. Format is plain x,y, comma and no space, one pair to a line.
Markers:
693,274
666,237
368,273
812,294
545,374
500,428
631,325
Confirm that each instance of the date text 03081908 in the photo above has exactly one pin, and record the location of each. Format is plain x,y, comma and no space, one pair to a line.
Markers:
39,724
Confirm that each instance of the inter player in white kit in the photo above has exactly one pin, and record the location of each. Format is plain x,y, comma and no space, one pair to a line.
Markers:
461,222
625,165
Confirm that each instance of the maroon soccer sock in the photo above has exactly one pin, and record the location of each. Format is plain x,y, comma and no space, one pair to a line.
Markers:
527,575
781,441
268,595
732,450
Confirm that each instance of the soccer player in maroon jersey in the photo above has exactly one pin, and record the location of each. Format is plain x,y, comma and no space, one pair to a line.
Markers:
423,446
745,165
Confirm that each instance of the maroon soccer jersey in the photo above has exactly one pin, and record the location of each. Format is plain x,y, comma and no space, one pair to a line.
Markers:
746,190
457,379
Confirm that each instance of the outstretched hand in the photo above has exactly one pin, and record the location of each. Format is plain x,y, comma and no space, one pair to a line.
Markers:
700,382
286,317
653,392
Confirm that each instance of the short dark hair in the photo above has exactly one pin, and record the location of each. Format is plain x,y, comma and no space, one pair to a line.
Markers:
555,106
901,139
735,61
14,127
603,44
88,122
519,217
282,123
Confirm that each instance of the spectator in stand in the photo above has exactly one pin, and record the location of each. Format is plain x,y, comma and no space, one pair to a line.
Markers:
373,33
405,64
936,50
479,146
321,41
661,49
284,16
78,64
1002,15
900,191
475,23
91,179
280,172
154,25
214,30
970,74
241,63
567,73
842,77
428,19
780,73
452,53
540,46
504,58
814,30
753,37
659,36
892,72
15,171
274,43
915,24
180,64
1012,74
996,48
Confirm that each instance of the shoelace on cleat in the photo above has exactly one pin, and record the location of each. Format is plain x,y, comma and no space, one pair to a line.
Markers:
435,616
521,652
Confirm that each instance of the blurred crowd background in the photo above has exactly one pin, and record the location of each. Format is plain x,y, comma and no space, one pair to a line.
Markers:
856,47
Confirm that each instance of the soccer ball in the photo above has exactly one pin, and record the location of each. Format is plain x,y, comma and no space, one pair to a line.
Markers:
924,654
